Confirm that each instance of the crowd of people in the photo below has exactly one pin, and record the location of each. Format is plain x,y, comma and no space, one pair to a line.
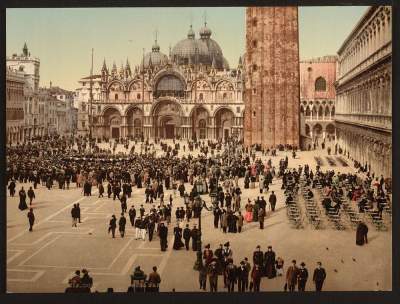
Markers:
247,278
215,170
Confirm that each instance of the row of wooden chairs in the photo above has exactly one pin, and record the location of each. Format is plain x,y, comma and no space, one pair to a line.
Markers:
293,211
313,212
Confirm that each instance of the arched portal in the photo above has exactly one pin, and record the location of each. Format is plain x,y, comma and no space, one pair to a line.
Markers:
112,123
317,132
134,121
167,119
224,122
330,129
199,118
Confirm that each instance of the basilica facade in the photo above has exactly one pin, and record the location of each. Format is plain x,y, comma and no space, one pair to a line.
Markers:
191,93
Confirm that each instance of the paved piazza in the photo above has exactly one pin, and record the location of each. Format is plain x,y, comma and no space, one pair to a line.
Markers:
44,260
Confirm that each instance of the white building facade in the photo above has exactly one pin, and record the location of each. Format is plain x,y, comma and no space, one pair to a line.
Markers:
364,92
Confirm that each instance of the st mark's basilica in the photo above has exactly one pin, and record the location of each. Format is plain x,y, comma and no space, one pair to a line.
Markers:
192,93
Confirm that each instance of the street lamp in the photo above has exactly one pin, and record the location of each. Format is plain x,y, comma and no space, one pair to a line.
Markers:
199,207
199,261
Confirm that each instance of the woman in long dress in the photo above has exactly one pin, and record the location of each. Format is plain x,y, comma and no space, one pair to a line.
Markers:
249,212
178,244
22,199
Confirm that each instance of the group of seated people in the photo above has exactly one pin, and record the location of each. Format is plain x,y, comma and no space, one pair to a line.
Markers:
140,282
80,284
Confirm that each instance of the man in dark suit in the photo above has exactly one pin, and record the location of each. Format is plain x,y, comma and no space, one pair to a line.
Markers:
132,215
258,256
31,218
272,201
186,236
113,225
319,276
163,233
195,235
121,224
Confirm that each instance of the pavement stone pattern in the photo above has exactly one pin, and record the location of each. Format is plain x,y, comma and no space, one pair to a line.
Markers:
44,260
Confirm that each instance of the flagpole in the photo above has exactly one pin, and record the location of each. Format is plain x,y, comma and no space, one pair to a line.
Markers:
143,92
90,105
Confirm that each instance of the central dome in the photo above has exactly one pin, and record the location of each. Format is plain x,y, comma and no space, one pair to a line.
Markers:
199,51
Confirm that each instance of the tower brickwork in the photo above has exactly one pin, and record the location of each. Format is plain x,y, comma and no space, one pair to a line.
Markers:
272,92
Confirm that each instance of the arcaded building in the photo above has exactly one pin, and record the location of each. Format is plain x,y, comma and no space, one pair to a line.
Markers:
317,98
15,101
272,96
189,93
364,92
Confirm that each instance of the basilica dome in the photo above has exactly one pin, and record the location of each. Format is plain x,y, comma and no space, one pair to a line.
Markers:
199,51
155,57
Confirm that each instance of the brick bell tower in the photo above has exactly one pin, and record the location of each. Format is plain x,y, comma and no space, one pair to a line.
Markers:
272,81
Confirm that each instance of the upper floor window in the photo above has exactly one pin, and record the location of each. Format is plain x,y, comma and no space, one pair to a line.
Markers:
201,96
138,96
116,97
320,84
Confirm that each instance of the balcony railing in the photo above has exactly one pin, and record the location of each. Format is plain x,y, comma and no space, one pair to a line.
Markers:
319,118
372,120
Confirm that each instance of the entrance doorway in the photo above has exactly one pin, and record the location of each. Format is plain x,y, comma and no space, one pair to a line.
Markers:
138,132
115,132
169,131
226,134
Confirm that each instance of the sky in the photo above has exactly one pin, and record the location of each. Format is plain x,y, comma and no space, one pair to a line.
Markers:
63,38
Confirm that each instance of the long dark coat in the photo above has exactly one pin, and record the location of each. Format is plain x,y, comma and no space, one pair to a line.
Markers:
258,258
269,260
178,244
361,235
22,200
163,233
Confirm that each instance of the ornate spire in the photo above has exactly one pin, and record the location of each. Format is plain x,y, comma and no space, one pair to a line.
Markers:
155,47
240,64
121,71
128,72
191,34
205,32
104,68
114,70
25,50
